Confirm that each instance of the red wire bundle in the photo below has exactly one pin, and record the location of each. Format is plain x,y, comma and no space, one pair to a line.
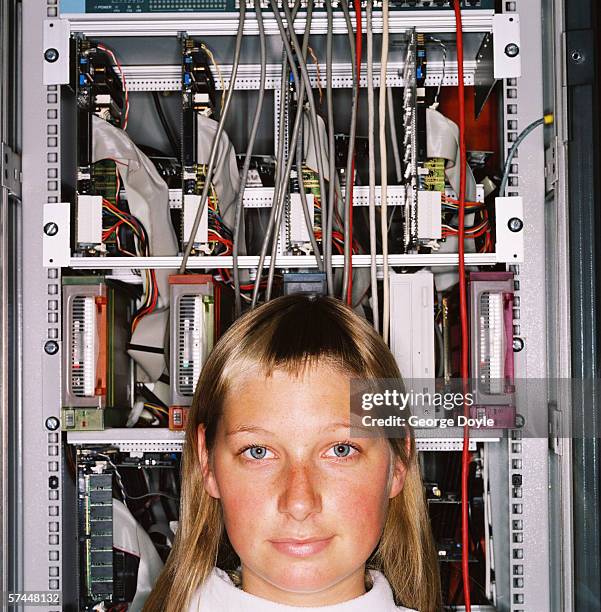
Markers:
128,220
351,179
465,458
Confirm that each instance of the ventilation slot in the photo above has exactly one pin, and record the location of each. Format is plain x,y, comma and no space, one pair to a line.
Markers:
83,346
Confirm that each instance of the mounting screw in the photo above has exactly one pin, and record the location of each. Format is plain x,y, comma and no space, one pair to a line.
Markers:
51,347
577,56
515,224
51,229
52,423
53,482
518,345
512,50
51,55
516,480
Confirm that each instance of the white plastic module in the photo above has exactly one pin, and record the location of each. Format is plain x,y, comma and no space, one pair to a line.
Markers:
191,204
89,220
429,224
298,224
412,325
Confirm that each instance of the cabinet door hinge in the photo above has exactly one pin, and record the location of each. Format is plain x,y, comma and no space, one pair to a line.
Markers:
10,170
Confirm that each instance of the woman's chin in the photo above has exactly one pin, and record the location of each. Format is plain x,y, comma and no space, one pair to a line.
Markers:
303,580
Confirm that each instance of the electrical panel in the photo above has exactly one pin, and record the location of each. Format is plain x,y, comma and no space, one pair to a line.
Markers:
95,365
210,6
192,335
192,173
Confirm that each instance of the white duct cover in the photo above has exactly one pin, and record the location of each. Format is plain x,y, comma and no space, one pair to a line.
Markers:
226,178
443,141
129,536
148,200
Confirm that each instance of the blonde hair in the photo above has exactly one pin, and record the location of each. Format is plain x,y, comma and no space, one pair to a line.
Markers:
292,333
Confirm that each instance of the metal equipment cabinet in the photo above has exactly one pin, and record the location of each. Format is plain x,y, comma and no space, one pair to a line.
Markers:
539,498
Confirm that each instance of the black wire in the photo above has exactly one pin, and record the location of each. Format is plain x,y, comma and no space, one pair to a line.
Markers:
153,494
168,131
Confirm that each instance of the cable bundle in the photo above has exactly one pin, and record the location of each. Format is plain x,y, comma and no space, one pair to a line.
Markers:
151,290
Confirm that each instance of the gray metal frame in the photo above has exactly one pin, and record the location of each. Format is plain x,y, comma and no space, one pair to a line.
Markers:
583,136
527,459
41,531
520,511
558,307
11,568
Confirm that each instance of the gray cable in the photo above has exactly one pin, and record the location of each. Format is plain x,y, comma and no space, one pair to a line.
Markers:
295,8
249,151
514,150
281,200
393,137
277,194
299,154
327,231
372,166
391,217
216,140
384,172
309,90
350,154
305,205
291,156
278,173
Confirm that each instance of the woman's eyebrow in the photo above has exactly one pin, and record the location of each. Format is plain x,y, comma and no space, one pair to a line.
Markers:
248,429
330,427
347,425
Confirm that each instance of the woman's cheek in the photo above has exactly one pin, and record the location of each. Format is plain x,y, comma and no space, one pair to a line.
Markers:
245,498
361,499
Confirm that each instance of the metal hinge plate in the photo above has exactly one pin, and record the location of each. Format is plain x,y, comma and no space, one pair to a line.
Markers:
555,428
10,170
551,167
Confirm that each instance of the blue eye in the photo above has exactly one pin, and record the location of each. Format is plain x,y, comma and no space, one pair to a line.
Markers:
343,450
255,452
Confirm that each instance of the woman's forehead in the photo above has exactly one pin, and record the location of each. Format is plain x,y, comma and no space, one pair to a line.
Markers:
283,400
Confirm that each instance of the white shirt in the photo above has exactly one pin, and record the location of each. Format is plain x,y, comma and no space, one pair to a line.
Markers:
219,594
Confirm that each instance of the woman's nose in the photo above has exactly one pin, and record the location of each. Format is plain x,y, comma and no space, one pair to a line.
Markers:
299,497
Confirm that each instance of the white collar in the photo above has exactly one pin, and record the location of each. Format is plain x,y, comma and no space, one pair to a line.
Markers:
219,594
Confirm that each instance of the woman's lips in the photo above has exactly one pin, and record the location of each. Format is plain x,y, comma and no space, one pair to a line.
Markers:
301,548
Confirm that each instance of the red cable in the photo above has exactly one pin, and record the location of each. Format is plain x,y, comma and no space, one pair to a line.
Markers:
465,456
351,179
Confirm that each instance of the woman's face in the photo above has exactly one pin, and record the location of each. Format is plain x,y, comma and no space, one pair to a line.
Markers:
304,504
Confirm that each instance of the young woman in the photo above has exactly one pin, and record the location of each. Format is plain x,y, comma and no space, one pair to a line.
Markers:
281,508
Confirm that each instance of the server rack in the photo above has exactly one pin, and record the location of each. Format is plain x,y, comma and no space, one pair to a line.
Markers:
535,477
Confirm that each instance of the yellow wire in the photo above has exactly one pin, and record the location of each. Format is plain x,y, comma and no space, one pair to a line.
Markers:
218,70
155,407
316,62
